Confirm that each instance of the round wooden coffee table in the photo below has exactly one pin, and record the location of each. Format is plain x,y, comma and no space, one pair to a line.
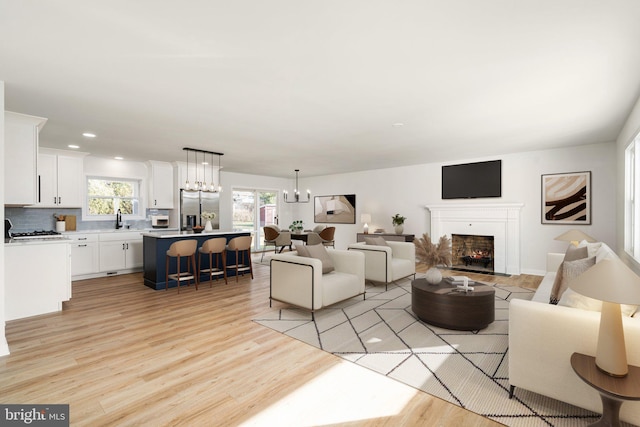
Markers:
444,306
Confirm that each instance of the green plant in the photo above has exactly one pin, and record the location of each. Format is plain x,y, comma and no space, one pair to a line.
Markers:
432,255
397,219
296,226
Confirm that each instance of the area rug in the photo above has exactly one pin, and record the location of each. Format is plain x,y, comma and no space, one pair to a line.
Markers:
466,368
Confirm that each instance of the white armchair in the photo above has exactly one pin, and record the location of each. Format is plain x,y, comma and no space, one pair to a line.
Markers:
387,263
299,281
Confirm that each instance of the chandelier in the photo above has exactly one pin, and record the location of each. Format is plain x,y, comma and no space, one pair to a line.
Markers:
296,193
200,182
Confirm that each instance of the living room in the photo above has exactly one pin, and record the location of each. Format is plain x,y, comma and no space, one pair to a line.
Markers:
257,393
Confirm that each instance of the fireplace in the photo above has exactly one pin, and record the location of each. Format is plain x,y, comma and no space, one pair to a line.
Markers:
472,253
500,220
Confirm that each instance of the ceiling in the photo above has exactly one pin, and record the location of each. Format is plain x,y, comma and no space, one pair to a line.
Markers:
325,86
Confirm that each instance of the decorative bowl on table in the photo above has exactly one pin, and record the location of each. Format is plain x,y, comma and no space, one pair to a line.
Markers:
198,229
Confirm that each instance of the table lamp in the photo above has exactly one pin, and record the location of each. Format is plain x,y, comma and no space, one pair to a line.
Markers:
575,237
613,283
366,218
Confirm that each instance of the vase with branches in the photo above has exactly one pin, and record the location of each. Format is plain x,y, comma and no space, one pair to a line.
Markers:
433,255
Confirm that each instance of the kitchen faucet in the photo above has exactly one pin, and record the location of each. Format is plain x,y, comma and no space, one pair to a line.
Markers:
118,219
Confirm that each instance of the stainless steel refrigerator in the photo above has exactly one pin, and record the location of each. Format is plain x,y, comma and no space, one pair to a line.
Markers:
193,203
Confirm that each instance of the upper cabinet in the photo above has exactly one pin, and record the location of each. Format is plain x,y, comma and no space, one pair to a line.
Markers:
21,158
160,185
60,179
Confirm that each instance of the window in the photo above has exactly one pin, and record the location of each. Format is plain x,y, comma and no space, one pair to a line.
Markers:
106,195
632,195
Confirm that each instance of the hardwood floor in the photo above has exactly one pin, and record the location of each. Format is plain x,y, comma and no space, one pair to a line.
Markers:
123,354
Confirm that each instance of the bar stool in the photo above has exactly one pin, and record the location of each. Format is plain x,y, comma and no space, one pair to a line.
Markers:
241,245
211,247
182,248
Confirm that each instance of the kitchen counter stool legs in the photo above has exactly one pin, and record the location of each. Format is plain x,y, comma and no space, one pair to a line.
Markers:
182,248
241,246
214,248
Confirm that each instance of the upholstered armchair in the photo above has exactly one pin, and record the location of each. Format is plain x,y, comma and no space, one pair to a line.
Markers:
273,236
387,261
309,282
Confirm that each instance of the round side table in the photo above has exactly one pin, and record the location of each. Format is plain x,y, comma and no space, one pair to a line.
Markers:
613,391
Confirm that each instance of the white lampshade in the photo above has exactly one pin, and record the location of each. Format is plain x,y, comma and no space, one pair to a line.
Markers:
612,282
575,236
366,219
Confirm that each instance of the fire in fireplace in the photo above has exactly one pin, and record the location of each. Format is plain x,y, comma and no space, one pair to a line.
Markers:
472,253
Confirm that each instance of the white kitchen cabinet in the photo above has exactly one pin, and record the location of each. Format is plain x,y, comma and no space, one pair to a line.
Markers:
21,158
160,185
60,179
120,251
28,293
85,254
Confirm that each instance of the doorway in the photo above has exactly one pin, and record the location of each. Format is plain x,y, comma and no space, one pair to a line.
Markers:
252,210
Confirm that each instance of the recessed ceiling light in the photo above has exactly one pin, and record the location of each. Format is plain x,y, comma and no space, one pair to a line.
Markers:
118,158
89,135
73,146
398,124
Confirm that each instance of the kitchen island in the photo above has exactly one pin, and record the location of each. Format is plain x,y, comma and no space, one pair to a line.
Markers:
155,246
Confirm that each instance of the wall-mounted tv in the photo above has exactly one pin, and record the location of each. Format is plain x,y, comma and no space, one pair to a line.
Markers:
472,180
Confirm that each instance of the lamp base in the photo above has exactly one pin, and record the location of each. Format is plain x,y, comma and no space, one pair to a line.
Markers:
611,353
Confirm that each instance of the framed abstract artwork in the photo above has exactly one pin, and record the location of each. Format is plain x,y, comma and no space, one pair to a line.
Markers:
566,198
335,209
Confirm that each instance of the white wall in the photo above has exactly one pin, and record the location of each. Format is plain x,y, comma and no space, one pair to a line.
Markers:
4,347
407,190
629,131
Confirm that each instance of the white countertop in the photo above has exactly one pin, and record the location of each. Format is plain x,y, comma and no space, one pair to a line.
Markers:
25,242
175,233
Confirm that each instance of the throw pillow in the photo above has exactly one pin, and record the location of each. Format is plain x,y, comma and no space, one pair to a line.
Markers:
376,241
320,252
303,251
573,253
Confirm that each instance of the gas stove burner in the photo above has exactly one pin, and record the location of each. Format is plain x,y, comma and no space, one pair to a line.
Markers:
38,234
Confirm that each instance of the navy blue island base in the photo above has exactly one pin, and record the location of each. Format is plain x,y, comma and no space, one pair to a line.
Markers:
156,244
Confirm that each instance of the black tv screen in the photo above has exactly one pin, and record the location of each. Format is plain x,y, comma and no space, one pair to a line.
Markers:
472,180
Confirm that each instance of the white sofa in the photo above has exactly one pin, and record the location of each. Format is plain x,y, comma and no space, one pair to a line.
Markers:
543,336
299,281
387,263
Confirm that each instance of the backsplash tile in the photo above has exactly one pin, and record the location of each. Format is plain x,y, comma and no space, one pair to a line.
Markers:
30,219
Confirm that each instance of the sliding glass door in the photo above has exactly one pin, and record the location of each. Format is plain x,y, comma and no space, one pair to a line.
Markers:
252,210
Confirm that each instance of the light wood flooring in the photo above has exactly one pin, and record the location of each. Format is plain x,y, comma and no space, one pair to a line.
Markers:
123,354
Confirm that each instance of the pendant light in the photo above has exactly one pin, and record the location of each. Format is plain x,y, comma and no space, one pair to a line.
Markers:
187,186
201,184
296,193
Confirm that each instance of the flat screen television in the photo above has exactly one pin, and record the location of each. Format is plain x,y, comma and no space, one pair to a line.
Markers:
472,180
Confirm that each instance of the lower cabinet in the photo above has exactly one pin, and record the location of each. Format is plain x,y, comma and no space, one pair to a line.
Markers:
85,258
120,251
37,278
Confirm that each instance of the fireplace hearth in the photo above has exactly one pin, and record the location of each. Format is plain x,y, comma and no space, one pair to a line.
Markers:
472,253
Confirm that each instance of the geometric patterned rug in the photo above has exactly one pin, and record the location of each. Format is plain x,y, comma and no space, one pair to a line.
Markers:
466,368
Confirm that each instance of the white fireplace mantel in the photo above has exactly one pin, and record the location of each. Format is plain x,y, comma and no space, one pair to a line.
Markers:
500,220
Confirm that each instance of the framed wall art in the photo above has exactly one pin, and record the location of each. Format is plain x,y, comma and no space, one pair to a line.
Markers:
566,198
335,209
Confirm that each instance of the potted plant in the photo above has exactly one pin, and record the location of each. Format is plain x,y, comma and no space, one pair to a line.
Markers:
432,255
398,220
296,226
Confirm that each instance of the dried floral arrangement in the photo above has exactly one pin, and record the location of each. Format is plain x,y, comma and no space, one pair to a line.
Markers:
433,254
